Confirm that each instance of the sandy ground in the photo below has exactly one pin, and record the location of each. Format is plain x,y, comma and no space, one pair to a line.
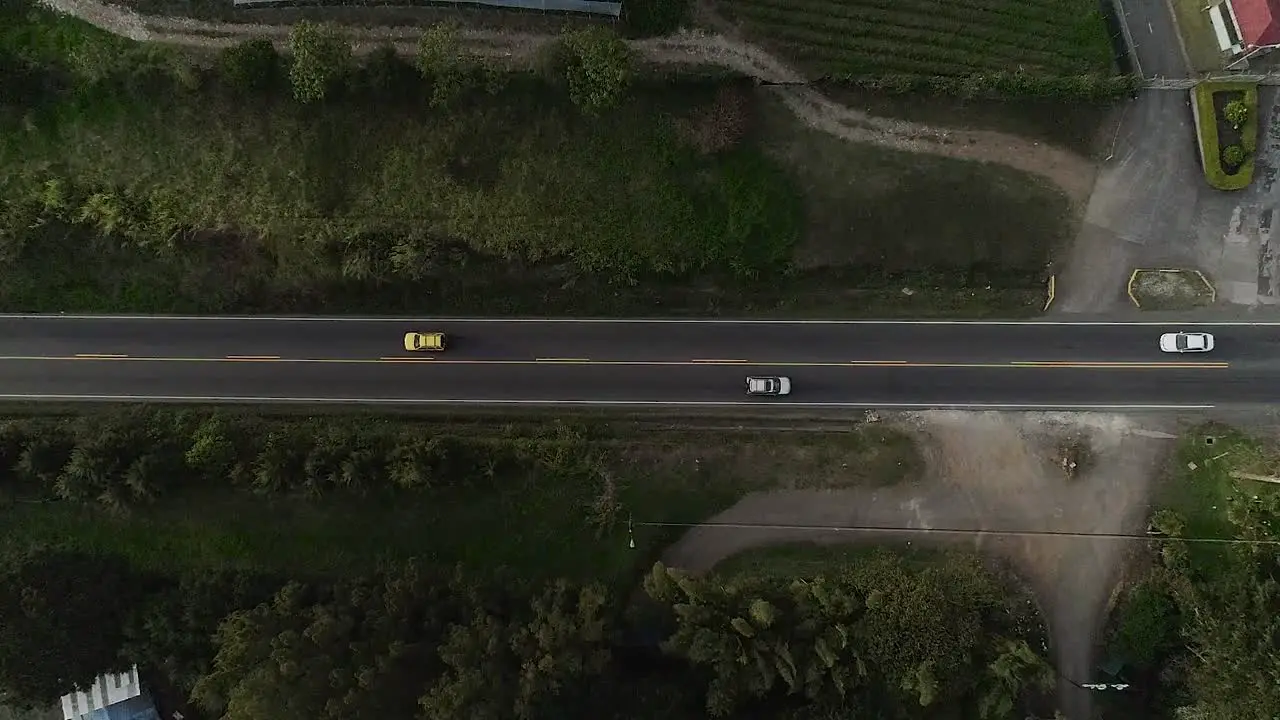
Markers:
994,472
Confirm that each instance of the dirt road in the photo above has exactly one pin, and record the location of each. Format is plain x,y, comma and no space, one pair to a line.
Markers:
987,471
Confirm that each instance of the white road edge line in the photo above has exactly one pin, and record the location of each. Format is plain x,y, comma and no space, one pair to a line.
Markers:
627,321
598,403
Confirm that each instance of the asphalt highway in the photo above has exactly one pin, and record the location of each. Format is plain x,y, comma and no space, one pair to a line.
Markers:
661,363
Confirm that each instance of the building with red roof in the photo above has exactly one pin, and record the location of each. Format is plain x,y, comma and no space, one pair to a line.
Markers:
1245,28
1256,20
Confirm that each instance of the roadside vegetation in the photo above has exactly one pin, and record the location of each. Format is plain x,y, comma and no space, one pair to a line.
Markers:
1194,633
138,178
1226,117
297,567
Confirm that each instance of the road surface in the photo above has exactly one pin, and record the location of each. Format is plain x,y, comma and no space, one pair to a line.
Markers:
632,362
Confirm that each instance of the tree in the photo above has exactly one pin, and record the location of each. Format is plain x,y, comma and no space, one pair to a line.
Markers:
597,66
759,640
1016,669
508,667
251,65
173,632
363,648
922,629
440,62
62,614
1236,112
321,58
44,457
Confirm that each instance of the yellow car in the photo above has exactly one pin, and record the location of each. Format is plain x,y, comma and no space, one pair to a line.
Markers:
434,341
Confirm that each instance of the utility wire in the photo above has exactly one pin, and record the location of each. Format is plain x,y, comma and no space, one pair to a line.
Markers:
954,531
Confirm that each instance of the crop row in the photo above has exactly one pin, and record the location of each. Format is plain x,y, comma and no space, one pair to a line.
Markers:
778,20
844,56
923,44
1081,34
1052,38
1022,12
829,64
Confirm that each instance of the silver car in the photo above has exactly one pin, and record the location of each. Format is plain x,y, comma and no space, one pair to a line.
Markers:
769,385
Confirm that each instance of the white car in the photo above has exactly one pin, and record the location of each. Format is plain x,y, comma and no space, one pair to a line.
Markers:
768,385
1184,342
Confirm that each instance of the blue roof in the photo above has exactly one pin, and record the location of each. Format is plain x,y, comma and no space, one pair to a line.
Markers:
135,708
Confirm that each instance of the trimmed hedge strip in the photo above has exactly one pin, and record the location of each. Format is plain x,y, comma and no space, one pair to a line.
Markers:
1207,130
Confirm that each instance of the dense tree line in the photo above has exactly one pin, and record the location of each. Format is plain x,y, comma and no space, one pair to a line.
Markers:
882,640
121,459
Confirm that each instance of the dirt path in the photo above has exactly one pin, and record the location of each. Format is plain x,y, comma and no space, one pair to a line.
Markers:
1067,170
988,471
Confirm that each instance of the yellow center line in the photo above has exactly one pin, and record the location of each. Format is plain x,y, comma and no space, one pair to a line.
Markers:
1017,364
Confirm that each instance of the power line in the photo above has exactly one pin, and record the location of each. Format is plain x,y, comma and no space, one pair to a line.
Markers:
954,531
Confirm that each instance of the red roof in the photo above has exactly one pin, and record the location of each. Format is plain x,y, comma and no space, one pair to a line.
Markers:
1257,21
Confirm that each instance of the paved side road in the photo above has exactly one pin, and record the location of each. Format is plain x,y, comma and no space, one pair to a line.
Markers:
1154,32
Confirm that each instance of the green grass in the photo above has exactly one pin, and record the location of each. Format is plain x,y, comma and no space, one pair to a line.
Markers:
851,38
1197,35
47,38
870,206
536,525
801,560
1202,495
1209,126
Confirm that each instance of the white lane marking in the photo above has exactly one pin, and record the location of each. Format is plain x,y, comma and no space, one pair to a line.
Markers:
633,321
598,403
105,356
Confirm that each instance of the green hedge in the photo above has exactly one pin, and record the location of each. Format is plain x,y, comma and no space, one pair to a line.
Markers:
1207,128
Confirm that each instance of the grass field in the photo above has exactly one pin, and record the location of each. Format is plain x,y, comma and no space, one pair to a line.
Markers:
1197,35
854,38
537,524
1203,494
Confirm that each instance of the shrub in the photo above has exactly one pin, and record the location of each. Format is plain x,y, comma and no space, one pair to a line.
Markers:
1236,112
721,124
321,58
597,67
439,62
252,65
1232,156
647,18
